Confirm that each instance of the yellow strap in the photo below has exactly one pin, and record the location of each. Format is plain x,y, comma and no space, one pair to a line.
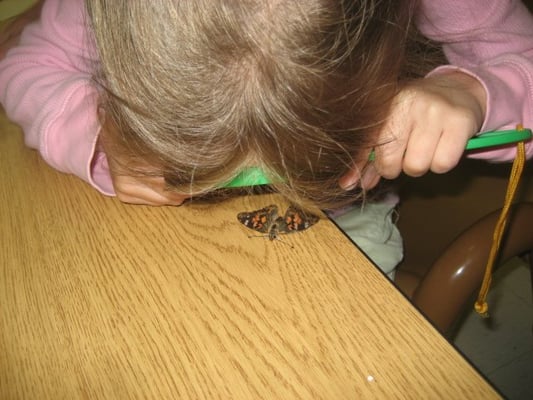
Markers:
481,305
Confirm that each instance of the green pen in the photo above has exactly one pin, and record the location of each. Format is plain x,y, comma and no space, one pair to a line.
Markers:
254,176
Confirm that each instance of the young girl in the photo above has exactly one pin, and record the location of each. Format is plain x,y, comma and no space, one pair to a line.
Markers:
133,95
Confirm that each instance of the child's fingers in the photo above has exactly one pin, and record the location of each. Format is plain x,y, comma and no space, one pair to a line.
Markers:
389,158
451,147
394,137
393,141
353,177
149,198
350,180
148,191
420,150
370,178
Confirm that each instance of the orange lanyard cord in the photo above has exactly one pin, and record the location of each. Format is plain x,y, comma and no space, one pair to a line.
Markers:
481,305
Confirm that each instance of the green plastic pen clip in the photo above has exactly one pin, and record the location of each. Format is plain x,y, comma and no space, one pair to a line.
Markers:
254,176
499,138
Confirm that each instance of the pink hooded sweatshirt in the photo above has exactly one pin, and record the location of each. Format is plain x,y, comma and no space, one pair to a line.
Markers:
46,82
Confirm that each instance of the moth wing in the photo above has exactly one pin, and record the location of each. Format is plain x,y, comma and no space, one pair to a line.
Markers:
297,220
259,220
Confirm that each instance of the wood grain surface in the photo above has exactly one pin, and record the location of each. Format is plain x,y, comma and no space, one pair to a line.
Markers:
102,300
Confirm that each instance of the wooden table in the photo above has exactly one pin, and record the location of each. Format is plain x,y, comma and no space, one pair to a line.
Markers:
101,300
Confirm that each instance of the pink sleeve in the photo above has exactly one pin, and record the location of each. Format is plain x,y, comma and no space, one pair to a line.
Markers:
493,42
46,87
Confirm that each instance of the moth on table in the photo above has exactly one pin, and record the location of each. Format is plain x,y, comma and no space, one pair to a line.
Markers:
268,221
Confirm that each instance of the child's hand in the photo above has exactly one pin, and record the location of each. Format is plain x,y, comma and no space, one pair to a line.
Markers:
430,122
151,190
141,189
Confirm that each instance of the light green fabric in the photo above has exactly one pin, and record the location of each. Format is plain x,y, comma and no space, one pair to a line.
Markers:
372,228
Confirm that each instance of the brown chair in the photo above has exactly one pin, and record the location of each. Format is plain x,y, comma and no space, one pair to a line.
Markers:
447,222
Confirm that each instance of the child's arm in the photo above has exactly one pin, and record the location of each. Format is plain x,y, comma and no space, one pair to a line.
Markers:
46,87
430,123
150,189
491,47
493,42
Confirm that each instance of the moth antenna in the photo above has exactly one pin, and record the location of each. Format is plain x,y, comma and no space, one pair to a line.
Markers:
265,236
284,242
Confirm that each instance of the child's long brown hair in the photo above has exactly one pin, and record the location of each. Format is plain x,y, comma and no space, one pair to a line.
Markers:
202,88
